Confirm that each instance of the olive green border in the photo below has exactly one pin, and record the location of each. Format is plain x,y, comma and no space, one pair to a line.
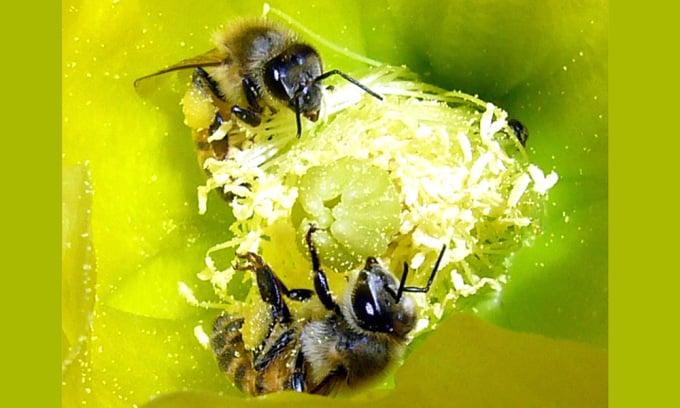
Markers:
614,379
643,151
31,74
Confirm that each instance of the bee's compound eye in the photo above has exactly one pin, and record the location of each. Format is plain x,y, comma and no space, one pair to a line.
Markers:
367,309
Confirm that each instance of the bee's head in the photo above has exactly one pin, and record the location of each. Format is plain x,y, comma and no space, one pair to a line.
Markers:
377,304
295,76
521,132
292,77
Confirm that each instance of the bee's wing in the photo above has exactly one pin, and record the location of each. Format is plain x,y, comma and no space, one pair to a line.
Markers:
211,58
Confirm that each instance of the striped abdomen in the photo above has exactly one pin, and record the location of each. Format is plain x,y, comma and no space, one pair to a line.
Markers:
271,369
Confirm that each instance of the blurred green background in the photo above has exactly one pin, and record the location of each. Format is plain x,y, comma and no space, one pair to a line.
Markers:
545,63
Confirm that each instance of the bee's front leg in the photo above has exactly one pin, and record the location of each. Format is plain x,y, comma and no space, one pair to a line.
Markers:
321,286
252,114
248,116
269,285
272,290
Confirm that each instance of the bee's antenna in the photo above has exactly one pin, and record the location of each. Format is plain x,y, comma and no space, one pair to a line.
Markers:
348,78
297,117
412,289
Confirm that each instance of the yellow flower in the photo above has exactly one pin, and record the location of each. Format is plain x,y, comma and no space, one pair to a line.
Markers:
128,332
396,178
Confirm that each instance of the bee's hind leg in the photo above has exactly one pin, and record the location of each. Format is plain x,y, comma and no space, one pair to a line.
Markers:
297,377
219,148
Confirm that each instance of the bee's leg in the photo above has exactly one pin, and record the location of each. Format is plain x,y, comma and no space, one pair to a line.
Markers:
279,347
300,295
205,83
268,285
321,287
297,377
275,357
219,149
272,289
250,115
246,115
232,356
217,122
252,94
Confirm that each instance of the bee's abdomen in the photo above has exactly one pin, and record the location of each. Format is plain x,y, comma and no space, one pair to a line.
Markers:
232,356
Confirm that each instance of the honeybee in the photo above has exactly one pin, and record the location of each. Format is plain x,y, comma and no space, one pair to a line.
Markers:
356,340
521,132
256,68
